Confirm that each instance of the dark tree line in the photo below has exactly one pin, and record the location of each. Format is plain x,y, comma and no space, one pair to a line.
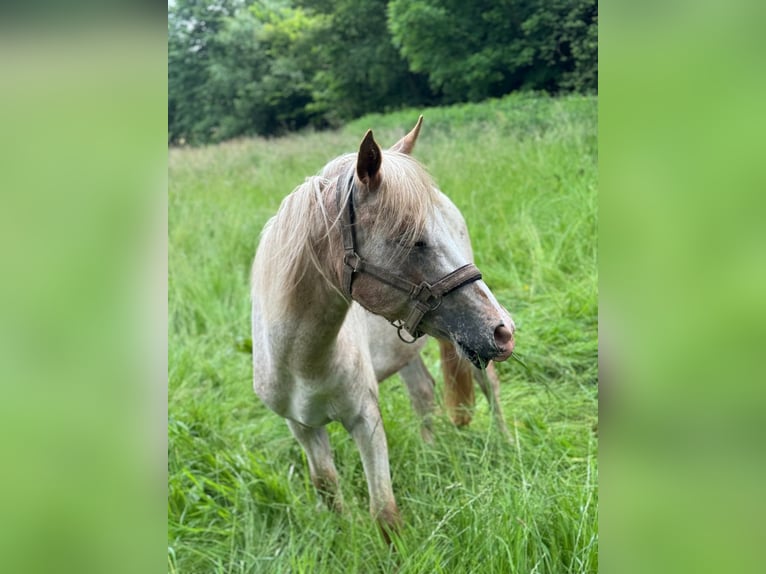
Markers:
245,67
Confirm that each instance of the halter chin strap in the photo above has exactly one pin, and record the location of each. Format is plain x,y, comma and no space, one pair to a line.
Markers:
424,296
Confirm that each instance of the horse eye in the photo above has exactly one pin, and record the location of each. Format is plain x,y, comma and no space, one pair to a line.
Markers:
420,244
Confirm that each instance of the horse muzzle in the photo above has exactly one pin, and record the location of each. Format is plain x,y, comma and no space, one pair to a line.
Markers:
504,342
482,334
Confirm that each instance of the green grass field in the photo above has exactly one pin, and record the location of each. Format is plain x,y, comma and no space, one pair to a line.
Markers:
523,170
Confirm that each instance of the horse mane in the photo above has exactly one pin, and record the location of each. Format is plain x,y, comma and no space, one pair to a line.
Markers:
291,240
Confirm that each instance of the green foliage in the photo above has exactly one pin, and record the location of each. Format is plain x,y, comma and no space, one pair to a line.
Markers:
523,171
245,67
193,110
475,50
250,77
358,68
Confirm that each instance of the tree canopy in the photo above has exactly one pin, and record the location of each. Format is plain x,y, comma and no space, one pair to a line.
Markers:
246,67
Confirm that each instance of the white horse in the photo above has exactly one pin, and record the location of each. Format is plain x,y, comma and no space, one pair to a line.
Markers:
373,232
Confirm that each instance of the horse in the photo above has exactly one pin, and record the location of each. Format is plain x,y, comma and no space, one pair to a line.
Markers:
371,233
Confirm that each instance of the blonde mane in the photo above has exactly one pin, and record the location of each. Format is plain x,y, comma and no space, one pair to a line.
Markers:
299,237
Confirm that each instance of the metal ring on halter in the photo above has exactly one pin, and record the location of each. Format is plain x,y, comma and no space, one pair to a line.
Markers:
399,328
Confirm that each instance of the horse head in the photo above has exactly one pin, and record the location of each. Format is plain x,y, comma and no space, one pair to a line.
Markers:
408,258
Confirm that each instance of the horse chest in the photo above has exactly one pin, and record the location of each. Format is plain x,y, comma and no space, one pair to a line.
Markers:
311,401
315,402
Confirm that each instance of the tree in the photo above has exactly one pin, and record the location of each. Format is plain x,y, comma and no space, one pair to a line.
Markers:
237,68
243,67
486,48
358,69
192,27
261,71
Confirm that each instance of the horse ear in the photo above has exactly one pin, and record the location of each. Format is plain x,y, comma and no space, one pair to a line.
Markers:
368,161
407,143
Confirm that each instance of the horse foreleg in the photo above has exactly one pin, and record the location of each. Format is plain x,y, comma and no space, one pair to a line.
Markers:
420,385
370,438
324,476
458,384
490,386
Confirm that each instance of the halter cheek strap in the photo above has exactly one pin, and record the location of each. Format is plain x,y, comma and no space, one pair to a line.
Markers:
424,296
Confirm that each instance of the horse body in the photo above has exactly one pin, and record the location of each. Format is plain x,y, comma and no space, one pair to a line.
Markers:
312,355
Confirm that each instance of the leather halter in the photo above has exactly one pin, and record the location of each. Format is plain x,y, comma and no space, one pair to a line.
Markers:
424,296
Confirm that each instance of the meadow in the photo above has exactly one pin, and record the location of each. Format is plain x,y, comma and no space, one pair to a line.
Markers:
523,170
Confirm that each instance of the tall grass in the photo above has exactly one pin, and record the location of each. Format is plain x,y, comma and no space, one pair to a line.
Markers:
523,172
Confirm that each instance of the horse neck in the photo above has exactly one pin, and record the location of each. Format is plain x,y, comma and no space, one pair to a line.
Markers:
304,325
315,323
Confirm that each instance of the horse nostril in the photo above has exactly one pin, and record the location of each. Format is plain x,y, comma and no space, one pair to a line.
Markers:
503,336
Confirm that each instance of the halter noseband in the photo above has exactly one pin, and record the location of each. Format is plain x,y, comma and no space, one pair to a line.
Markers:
424,296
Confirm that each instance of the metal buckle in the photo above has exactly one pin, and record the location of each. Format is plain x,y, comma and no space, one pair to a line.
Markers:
433,302
429,299
356,259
